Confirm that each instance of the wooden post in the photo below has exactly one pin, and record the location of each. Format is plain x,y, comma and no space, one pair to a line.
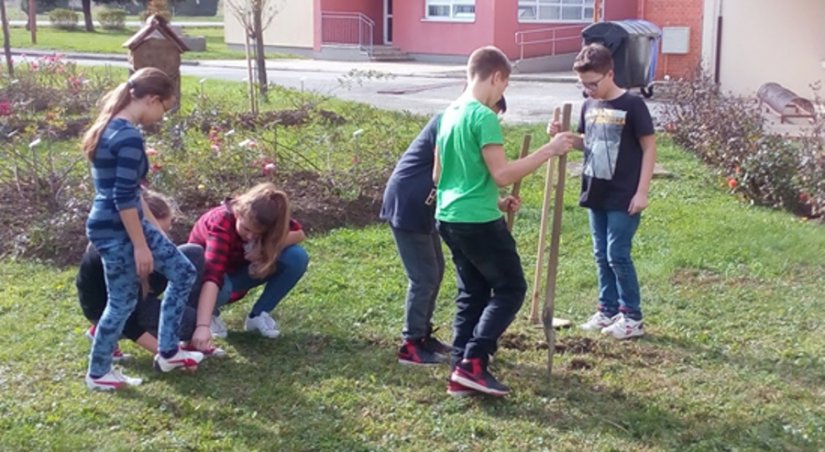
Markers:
553,260
548,189
33,20
525,148
6,43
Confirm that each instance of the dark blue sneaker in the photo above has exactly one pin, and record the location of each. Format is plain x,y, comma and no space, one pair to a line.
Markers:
472,373
414,353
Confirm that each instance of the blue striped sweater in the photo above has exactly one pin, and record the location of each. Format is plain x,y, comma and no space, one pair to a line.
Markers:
119,166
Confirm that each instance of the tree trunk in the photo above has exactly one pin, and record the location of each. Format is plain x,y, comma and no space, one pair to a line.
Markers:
33,20
6,43
87,15
260,55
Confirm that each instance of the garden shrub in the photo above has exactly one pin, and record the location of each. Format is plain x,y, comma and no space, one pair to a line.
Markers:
64,19
332,158
112,19
729,133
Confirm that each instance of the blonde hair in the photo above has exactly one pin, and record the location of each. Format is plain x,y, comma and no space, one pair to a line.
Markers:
148,81
266,209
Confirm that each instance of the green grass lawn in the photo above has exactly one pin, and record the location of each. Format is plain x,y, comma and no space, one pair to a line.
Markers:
103,41
732,359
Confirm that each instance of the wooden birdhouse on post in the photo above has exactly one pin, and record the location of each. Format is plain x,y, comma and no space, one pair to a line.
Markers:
157,45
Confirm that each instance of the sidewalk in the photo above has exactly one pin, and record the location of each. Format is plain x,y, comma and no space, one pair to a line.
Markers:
397,69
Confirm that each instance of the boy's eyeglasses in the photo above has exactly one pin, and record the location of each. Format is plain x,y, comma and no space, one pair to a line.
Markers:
590,86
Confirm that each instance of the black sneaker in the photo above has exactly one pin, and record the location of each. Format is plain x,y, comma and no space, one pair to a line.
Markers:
434,345
416,354
472,373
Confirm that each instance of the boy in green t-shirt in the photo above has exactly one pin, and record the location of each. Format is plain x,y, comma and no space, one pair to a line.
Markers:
470,167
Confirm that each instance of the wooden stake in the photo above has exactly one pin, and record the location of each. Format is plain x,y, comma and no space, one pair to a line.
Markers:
525,148
548,188
553,260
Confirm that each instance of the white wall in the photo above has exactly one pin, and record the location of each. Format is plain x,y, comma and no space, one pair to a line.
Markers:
764,41
292,27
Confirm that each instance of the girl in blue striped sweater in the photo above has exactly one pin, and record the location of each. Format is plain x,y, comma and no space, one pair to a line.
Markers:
121,227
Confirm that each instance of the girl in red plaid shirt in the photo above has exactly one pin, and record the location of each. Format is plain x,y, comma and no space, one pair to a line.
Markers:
248,241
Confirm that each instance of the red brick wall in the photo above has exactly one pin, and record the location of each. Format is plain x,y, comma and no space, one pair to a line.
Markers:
677,13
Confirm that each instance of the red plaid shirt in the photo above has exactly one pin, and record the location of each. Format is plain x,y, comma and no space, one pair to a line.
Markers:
223,247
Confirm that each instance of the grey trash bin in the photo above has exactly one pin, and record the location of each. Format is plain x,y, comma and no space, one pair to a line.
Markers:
635,48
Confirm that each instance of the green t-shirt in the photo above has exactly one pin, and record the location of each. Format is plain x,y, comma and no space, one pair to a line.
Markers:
467,192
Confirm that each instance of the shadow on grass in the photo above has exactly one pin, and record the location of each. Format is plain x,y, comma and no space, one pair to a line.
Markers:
299,392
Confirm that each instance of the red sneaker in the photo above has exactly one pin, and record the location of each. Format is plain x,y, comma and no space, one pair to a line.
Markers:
458,390
416,354
472,373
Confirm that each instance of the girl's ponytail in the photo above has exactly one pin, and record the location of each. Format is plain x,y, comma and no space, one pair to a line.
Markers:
112,103
149,81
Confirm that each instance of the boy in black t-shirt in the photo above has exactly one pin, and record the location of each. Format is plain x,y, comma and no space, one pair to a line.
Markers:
619,154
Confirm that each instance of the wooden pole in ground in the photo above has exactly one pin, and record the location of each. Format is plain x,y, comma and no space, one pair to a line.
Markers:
33,20
548,188
525,148
6,42
553,260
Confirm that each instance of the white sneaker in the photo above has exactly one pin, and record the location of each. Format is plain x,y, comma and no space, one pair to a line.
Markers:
113,380
183,358
217,327
263,324
625,328
599,322
214,352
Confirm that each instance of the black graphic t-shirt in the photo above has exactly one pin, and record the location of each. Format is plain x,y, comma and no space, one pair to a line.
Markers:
612,152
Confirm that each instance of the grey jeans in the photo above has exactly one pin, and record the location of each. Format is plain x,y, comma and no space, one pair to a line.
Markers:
424,264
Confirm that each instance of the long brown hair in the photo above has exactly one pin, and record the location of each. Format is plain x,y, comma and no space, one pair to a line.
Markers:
266,209
148,81
161,205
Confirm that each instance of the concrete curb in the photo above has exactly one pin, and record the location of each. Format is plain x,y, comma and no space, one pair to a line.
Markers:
84,56
550,78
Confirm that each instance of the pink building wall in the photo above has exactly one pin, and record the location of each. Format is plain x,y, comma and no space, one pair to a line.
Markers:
496,23
621,9
374,9
413,33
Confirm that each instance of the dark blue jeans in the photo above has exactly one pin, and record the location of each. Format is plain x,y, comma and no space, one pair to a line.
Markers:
424,263
491,285
612,232
292,264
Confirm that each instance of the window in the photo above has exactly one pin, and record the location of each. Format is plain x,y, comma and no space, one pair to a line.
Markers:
555,10
461,10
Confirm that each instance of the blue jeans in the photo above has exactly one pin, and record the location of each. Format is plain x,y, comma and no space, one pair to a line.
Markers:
292,264
122,285
612,232
491,285
424,264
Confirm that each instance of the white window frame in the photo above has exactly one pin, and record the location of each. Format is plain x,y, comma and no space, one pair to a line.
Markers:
454,15
535,4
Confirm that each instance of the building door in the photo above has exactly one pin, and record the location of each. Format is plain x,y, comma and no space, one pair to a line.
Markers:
387,21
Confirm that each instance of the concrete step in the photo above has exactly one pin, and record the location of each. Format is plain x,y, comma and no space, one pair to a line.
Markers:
388,53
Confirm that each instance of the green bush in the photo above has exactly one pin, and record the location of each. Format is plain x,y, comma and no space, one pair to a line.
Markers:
64,19
728,133
112,19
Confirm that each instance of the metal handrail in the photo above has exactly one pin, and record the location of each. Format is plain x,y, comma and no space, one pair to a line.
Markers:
366,29
522,37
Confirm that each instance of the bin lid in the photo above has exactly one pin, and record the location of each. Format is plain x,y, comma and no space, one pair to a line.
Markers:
613,34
